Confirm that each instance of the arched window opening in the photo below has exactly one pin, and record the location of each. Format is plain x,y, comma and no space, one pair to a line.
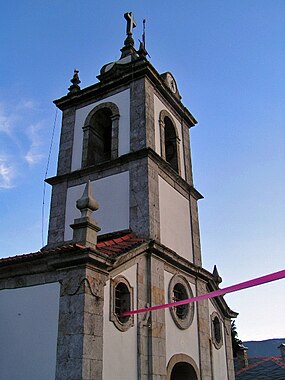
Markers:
183,371
122,301
179,294
100,137
171,155
217,330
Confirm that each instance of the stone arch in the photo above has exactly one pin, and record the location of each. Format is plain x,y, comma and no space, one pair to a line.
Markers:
182,367
101,134
169,140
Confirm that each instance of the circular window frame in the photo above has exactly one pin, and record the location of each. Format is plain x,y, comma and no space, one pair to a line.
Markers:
122,326
185,322
217,343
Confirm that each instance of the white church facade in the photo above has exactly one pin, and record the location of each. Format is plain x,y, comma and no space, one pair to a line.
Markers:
123,235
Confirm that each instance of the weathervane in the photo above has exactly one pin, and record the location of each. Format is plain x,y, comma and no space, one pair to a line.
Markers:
142,50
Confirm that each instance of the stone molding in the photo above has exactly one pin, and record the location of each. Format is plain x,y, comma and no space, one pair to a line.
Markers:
122,326
186,322
218,342
162,115
88,129
181,358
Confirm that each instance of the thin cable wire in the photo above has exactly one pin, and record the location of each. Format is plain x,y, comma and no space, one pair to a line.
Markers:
45,176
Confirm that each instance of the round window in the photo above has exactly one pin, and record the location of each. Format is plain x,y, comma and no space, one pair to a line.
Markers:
178,290
179,294
121,300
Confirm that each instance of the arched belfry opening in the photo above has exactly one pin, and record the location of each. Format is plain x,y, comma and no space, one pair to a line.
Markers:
100,135
183,371
169,140
170,143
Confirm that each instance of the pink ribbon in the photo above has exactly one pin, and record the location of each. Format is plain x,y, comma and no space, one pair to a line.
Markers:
230,289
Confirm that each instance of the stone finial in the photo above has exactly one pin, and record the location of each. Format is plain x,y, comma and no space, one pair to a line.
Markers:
75,83
217,278
282,351
87,203
85,228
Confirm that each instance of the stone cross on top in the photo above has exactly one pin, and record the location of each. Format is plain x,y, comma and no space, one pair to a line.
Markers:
130,23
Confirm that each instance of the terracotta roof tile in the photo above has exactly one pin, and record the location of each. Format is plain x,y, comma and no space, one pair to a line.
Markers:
119,244
269,368
111,247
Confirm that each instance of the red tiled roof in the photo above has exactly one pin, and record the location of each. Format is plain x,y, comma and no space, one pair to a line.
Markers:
36,255
270,368
119,244
107,245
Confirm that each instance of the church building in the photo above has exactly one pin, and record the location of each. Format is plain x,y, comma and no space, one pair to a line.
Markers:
123,235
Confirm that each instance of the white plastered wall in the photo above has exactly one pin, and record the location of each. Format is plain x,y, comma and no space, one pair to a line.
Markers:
158,107
112,194
180,341
122,100
28,332
119,348
219,358
175,227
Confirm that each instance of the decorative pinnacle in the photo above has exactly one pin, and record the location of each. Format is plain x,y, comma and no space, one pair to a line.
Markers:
217,278
87,203
75,82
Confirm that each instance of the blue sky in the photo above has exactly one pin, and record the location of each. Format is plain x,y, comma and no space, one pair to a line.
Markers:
228,60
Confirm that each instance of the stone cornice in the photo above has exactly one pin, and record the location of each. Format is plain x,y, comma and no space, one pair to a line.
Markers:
119,76
122,162
177,261
53,259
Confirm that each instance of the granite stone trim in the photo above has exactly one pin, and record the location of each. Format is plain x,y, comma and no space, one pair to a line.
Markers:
88,128
181,323
187,153
182,358
204,332
66,141
157,333
57,213
80,334
229,349
149,115
122,326
138,130
174,109
162,115
143,319
195,231
216,330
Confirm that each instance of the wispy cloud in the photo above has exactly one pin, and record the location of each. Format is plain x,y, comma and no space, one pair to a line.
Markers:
7,173
21,137
34,154
6,121
26,104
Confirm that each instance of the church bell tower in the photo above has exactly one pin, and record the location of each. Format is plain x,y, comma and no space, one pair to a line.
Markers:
129,135
125,150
